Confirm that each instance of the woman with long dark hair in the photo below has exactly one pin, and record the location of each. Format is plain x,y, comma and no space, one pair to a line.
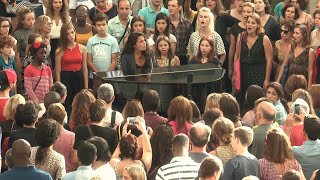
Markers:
136,57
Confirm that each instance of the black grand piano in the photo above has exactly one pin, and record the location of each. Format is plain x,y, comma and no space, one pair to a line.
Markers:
194,81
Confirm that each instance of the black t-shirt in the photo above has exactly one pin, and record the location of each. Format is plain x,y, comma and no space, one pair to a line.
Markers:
24,133
113,12
109,134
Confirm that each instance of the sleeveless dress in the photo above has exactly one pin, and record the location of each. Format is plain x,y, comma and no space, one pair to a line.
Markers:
83,38
299,64
253,64
280,57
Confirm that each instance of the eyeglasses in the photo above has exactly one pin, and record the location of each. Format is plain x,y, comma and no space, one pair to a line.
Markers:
284,31
5,26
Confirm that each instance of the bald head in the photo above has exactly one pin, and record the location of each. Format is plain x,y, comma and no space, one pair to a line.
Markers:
199,134
21,151
267,110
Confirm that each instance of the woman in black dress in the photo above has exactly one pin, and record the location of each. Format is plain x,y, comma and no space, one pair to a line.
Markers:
255,56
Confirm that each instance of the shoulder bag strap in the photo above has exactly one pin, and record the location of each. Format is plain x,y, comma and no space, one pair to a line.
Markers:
124,33
90,130
34,89
240,44
113,119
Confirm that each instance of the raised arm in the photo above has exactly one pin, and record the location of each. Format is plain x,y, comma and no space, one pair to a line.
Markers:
146,146
187,8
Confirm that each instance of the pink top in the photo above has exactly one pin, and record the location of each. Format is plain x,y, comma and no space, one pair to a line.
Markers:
64,146
182,130
3,101
296,136
269,172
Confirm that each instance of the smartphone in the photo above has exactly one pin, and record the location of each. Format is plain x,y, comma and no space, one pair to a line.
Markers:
297,109
132,120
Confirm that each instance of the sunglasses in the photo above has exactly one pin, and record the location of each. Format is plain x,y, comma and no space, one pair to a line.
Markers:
284,31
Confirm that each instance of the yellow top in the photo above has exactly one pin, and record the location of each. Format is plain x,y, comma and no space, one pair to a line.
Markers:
83,38
192,15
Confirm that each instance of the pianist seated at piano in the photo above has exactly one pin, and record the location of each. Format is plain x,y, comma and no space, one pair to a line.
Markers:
136,58
206,53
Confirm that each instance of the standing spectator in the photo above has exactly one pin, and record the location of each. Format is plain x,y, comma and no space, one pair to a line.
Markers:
101,164
22,169
222,129
308,154
162,154
80,114
61,89
305,95
205,28
255,56
315,93
8,78
293,83
43,156
23,29
112,117
151,103
278,159
206,53
275,95
315,40
263,9
37,76
301,57
211,167
189,13
265,115
58,12
180,28
164,54
27,115
41,9
87,153
103,7
230,108
64,145
199,136
71,64
212,101
73,4
303,18
119,26
277,10
180,115
84,30
97,111
134,172
237,11
50,98
181,166
150,12
102,48
6,46
244,164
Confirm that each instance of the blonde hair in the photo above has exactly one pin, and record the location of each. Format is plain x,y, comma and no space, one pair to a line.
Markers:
212,101
136,172
39,23
11,106
211,19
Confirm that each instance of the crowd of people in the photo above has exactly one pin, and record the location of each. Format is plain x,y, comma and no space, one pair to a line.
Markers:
58,123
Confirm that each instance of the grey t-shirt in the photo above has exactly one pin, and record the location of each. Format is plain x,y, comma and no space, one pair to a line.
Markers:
241,166
258,143
199,156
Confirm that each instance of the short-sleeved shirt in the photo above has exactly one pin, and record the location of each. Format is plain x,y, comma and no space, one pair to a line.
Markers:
30,172
106,121
241,166
258,144
150,16
195,41
102,50
297,135
277,10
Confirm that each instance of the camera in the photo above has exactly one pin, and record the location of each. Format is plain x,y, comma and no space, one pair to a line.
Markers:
132,120
297,109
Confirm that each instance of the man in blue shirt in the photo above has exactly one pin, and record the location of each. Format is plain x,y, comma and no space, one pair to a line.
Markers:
22,169
150,12
87,154
308,154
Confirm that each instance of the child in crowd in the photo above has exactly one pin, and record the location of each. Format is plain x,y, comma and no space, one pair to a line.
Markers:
37,76
205,53
165,56
102,48
162,29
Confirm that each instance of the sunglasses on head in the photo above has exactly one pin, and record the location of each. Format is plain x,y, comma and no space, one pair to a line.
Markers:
284,31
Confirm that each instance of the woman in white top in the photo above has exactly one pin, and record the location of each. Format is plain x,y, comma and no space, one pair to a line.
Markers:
58,12
205,27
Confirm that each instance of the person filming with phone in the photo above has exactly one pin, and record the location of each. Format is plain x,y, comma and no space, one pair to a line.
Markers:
293,126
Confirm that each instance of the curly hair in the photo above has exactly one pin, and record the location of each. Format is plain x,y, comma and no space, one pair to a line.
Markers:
21,15
128,147
46,134
6,40
59,88
33,50
160,141
39,23
64,11
80,108
289,5
223,129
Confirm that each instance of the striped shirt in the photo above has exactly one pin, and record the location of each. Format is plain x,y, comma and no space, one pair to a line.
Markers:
32,76
178,168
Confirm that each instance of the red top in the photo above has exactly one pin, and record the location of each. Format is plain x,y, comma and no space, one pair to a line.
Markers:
71,59
297,136
3,101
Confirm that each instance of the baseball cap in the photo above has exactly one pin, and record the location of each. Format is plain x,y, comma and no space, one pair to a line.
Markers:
7,77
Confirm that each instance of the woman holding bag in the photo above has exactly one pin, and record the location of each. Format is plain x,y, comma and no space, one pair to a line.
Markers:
254,53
